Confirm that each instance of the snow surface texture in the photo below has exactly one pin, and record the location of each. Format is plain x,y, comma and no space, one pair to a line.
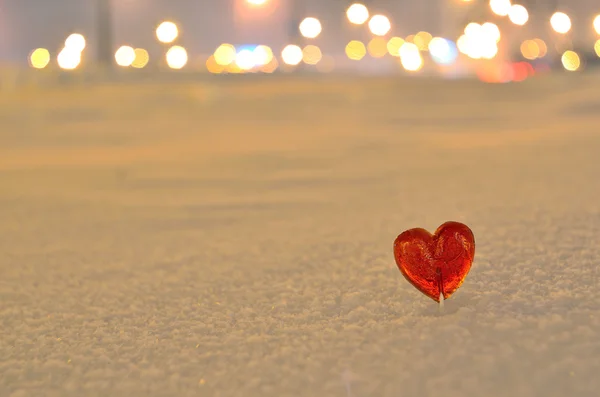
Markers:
234,238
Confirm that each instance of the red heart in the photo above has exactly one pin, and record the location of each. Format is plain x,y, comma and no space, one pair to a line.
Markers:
436,264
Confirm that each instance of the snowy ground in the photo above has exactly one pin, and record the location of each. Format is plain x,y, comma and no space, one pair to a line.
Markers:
225,239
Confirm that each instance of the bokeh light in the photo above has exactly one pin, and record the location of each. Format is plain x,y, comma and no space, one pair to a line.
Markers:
530,49
393,46
410,57
141,58
311,55
442,51
379,25
518,15
224,54
76,42
500,7
263,55
492,31
422,40
478,42
292,55
542,46
357,13
472,29
463,44
310,27
571,61
125,56
39,58
596,24
356,50
257,2
560,22
244,59
597,47
377,47
167,32
177,57
68,59
213,67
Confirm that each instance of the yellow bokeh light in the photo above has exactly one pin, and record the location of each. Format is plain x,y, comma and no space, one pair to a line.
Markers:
167,32
357,14
530,49
76,42
410,57
225,54
177,57
257,2
311,55
39,58
68,59
518,15
560,22
379,25
393,46
125,56
292,55
310,27
500,7
377,47
410,38
213,67
597,24
262,55
597,47
491,30
570,61
356,50
542,47
141,58
422,40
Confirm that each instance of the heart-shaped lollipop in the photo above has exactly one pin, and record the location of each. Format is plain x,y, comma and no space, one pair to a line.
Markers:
436,264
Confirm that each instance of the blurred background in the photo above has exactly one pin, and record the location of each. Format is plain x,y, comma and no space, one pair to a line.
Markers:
493,40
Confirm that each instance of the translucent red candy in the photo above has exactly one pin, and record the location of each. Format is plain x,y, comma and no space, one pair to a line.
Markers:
436,263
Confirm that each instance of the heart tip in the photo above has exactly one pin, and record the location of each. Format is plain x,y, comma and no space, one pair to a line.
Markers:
441,302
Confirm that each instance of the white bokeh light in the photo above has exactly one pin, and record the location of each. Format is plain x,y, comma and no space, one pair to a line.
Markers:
310,27
379,25
76,42
177,57
357,13
560,22
518,15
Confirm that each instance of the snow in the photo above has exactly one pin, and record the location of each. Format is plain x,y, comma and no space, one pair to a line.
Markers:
234,238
